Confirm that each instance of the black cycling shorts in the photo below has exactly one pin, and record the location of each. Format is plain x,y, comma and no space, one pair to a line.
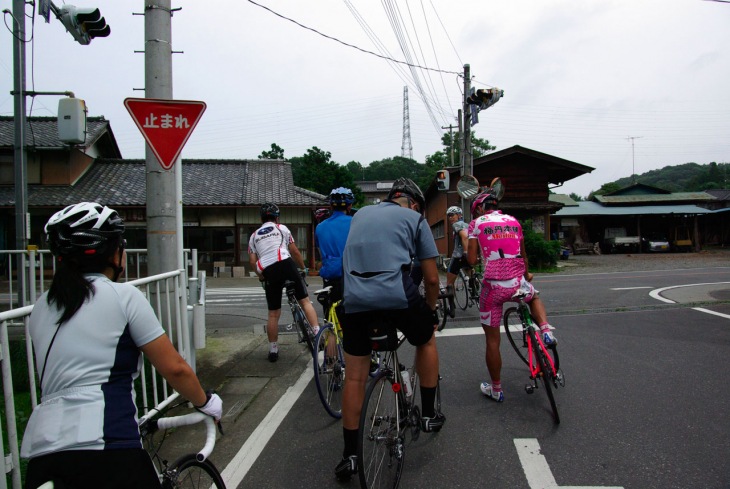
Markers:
457,264
91,469
278,273
417,324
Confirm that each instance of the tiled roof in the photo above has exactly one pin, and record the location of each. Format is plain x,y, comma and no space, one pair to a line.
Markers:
205,183
42,132
675,197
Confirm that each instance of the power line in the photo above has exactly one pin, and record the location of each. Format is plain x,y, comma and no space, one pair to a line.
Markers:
351,45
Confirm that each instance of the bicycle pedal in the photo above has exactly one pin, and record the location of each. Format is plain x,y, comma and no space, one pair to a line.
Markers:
529,389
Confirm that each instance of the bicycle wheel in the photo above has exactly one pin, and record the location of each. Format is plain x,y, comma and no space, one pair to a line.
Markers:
381,444
516,333
304,329
442,309
188,472
329,370
545,375
461,292
475,286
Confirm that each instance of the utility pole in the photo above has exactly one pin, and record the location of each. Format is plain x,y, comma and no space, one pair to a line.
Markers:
164,235
20,159
466,161
450,127
633,161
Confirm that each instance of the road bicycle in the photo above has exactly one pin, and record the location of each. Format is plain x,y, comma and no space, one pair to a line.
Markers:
329,359
543,361
467,288
304,330
389,415
193,470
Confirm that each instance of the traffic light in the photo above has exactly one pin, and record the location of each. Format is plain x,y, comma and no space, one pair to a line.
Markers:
442,180
484,98
84,24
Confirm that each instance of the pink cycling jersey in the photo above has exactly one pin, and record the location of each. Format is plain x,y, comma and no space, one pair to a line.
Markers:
499,236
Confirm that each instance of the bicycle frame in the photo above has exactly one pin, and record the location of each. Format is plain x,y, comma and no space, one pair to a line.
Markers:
531,328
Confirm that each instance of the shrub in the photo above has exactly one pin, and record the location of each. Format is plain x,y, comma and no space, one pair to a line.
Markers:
541,254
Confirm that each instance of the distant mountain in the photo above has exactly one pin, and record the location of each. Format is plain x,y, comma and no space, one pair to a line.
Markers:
689,177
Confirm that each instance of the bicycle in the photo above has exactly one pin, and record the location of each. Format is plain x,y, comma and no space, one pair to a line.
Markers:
543,361
329,359
389,414
467,288
193,470
304,330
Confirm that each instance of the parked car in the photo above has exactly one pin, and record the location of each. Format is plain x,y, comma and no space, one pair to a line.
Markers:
655,242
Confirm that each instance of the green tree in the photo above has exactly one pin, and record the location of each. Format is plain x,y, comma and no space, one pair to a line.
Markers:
316,172
276,153
575,197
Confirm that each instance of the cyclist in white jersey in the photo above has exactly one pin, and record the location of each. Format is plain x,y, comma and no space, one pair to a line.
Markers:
88,334
274,257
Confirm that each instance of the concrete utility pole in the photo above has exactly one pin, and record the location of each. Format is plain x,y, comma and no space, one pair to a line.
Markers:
451,128
466,154
164,235
20,156
466,162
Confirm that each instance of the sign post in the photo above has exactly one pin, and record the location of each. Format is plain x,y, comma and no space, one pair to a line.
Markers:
165,124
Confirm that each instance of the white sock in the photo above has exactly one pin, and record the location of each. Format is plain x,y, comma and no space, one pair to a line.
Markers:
273,347
315,330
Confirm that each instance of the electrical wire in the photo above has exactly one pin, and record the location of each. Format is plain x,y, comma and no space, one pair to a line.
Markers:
343,42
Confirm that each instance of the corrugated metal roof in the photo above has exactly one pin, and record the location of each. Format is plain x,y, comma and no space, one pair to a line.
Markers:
658,198
596,209
562,199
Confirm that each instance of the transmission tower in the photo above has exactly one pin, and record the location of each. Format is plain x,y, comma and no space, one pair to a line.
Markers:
406,149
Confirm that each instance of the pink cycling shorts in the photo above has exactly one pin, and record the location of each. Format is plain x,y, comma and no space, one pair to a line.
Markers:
495,293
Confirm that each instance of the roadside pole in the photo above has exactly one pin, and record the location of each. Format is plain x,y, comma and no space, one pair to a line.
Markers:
466,159
163,205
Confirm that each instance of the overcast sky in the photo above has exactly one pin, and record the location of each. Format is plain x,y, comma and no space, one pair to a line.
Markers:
580,77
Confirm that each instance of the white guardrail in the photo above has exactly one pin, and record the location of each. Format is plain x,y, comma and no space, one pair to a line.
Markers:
169,294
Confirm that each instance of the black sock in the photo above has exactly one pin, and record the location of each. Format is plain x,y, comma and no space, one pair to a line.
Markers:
350,437
428,396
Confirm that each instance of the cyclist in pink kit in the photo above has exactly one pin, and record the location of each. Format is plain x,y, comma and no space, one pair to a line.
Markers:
498,237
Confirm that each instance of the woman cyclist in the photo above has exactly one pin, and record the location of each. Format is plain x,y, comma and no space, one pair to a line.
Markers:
88,333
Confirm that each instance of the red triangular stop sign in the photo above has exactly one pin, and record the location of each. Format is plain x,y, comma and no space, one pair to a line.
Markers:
165,124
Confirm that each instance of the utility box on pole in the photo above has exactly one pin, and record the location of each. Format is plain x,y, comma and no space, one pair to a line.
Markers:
72,120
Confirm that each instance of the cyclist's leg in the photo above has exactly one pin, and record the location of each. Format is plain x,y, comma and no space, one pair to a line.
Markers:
357,346
300,292
493,296
537,309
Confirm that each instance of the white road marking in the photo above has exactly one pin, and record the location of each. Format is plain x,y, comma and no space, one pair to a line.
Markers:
239,466
656,295
702,309
537,470
629,288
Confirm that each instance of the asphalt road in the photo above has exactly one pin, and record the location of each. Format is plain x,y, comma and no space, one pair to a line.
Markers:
643,406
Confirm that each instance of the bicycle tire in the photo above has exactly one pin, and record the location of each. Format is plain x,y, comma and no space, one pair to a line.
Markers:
545,375
304,329
461,292
515,332
381,441
475,290
329,370
190,473
442,310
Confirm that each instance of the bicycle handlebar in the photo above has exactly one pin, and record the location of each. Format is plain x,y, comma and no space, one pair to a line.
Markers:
192,418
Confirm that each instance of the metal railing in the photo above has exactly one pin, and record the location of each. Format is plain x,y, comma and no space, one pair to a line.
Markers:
168,293
40,266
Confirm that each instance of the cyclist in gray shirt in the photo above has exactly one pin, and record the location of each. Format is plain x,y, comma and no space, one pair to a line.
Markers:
383,241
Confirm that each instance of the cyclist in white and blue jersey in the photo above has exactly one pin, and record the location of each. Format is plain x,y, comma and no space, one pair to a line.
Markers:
88,334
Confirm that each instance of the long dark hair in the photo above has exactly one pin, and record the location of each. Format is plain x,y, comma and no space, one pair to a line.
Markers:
70,288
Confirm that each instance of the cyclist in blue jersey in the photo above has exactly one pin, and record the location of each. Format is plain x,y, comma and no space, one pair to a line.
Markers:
330,237
88,333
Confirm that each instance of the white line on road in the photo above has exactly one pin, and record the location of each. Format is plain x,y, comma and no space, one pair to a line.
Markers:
702,309
537,470
239,466
656,292
629,288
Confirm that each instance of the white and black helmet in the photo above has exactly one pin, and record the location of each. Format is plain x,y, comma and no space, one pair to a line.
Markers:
454,210
85,228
